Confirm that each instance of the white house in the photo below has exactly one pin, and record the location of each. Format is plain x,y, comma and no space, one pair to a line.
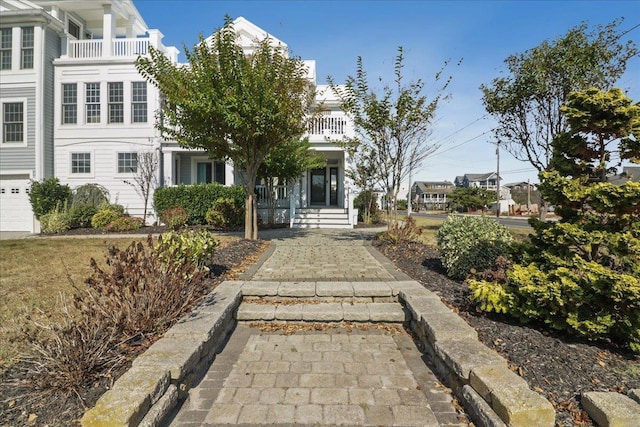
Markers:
75,107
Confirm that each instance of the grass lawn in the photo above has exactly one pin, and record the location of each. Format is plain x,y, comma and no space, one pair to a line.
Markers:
34,273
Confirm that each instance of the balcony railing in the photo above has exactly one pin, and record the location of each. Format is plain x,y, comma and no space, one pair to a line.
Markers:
130,47
85,48
328,125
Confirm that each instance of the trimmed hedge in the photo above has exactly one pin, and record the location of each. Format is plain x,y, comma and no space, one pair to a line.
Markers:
196,199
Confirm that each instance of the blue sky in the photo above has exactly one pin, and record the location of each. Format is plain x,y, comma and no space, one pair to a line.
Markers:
481,33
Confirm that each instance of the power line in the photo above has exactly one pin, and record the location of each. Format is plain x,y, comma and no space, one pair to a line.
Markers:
461,144
462,128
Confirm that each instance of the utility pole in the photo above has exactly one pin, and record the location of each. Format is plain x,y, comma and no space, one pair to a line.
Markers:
498,180
409,196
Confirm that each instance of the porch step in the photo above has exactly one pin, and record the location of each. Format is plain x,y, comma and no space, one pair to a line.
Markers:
391,312
321,218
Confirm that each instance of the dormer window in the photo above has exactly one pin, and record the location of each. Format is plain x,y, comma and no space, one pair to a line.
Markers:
73,29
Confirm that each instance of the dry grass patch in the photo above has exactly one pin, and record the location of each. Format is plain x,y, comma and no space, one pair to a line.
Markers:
34,273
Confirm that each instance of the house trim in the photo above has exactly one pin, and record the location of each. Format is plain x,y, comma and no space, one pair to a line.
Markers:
25,127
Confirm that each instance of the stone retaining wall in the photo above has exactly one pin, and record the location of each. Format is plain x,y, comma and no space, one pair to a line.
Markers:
492,394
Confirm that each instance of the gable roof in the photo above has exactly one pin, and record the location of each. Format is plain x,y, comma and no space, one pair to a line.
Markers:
248,35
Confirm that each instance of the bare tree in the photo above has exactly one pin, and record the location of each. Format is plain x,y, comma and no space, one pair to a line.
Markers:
145,178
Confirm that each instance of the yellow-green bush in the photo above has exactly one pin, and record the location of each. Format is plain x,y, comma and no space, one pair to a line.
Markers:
194,246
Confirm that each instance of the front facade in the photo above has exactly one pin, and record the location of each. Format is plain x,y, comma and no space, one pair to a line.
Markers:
431,195
75,107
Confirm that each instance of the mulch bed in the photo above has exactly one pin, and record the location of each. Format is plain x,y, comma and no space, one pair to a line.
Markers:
21,404
557,366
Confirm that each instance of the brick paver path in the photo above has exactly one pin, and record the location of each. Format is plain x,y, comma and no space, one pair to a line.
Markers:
331,377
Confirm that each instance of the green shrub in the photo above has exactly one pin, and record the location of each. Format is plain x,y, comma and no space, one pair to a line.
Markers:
194,246
196,199
226,213
47,195
402,205
80,214
367,204
471,244
90,194
55,222
106,215
124,223
175,217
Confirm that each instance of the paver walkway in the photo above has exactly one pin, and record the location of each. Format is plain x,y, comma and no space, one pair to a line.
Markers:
337,376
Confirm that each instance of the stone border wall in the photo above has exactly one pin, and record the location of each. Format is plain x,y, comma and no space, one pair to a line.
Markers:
491,393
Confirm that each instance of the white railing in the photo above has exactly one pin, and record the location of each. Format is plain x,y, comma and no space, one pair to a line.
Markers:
130,47
328,125
280,196
85,48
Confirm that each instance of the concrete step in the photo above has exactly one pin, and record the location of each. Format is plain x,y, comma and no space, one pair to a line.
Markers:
322,225
321,210
320,289
321,215
323,312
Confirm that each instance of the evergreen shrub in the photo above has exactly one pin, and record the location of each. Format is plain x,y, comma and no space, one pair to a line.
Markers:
471,244
196,199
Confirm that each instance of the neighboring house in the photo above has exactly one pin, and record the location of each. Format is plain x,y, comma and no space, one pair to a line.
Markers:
431,195
523,185
629,173
488,181
75,107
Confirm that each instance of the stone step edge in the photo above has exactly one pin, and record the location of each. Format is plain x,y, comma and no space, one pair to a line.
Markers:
272,300
611,408
387,312
368,289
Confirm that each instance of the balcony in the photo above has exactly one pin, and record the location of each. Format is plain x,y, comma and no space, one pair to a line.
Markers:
329,128
119,48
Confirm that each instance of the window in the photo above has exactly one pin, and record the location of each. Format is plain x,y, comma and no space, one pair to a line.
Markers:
92,102
80,162
69,103
5,48
13,122
207,172
127,162
116,102
73,29
26,51
139,102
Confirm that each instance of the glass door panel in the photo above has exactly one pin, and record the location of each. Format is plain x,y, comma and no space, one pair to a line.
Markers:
333,186
318,187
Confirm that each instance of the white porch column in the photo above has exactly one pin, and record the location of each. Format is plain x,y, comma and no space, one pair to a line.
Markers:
130,24
108,30
167,166
155,38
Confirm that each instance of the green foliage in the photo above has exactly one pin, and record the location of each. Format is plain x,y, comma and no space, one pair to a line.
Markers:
47,195
124,223
225,213
90,194
106,215
404,231
462,199
175,217
471,244
81,214
193,246
196,199
491,296
367,204
582,273
55,222
526,101
392,125
233,105
402,205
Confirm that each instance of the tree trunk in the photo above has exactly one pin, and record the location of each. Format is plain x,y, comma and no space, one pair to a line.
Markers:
250,222
254,235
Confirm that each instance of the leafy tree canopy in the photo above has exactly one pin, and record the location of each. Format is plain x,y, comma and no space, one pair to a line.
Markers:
234,104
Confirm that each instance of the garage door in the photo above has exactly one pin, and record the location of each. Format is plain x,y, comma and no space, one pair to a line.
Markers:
15,208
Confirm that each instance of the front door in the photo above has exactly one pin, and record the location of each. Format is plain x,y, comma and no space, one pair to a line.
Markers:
318,187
